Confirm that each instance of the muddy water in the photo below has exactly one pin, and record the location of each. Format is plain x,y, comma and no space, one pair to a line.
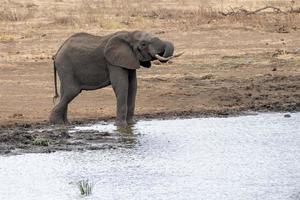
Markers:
248,157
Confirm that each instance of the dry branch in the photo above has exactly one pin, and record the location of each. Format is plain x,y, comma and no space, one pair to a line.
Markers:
242,11
278,10
297,10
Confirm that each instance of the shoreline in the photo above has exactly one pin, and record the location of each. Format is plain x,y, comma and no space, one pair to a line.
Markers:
226,112
18,139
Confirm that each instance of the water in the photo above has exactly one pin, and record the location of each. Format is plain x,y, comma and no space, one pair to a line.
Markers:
244,158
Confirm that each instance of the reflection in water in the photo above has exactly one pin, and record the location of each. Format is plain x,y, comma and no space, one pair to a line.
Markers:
248,157
104,133
127,130
127,136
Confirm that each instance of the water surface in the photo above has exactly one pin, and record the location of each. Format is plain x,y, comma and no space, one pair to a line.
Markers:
247,157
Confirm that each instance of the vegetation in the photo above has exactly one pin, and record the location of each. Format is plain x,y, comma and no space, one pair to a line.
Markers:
116,14
40,142
85,187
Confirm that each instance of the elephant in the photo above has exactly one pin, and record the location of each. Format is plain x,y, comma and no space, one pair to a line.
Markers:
89,62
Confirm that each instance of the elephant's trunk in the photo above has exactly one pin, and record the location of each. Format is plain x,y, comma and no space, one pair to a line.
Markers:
168,52
169,49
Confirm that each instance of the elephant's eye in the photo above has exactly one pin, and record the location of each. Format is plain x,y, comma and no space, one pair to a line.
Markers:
143,44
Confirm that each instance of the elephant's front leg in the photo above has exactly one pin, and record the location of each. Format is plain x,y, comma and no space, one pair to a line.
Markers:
132,88
119,82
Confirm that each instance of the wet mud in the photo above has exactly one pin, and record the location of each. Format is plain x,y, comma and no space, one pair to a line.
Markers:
45,138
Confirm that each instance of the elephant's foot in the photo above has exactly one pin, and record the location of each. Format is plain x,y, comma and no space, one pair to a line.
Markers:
67,122
57,119
121,123
131,121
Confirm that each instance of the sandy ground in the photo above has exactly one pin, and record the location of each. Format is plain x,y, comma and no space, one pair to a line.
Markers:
221,70
227,68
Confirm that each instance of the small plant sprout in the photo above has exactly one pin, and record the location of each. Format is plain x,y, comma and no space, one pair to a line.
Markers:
85,187
40,142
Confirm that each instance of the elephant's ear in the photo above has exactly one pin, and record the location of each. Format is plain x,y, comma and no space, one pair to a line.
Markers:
118,52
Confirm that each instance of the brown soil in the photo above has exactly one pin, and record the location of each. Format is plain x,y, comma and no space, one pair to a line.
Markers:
222,70
225,69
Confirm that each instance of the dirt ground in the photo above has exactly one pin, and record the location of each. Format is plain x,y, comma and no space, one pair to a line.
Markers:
231,63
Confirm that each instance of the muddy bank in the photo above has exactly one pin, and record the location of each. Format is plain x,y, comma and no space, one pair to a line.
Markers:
46,138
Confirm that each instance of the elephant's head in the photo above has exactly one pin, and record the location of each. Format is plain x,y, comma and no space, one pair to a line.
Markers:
132,49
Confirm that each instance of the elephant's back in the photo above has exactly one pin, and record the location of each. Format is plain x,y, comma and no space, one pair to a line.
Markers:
80,43
81,58
81,49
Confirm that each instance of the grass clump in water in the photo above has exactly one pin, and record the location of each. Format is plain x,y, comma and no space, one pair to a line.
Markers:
85,187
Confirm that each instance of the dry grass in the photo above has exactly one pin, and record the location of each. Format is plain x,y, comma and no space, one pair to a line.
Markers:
267,21
120,14
12,11
6,37
65,20
138,14
23,22
192,19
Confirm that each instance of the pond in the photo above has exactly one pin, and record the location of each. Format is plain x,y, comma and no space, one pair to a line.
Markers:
245,157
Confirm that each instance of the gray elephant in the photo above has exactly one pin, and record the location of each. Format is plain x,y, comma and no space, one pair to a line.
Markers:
88,62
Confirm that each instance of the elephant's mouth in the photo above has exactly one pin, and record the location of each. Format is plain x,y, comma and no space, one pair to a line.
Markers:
146,64
144,56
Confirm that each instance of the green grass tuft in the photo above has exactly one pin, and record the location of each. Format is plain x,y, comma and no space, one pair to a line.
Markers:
40,142
85,187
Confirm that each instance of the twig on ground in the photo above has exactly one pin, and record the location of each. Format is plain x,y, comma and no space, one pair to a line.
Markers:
242,11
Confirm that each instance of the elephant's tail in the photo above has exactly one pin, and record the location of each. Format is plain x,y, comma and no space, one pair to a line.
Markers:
55,81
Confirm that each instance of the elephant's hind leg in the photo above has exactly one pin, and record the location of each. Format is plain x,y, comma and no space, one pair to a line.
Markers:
59,112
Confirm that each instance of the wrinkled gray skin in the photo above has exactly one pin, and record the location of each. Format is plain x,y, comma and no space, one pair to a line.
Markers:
88,62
